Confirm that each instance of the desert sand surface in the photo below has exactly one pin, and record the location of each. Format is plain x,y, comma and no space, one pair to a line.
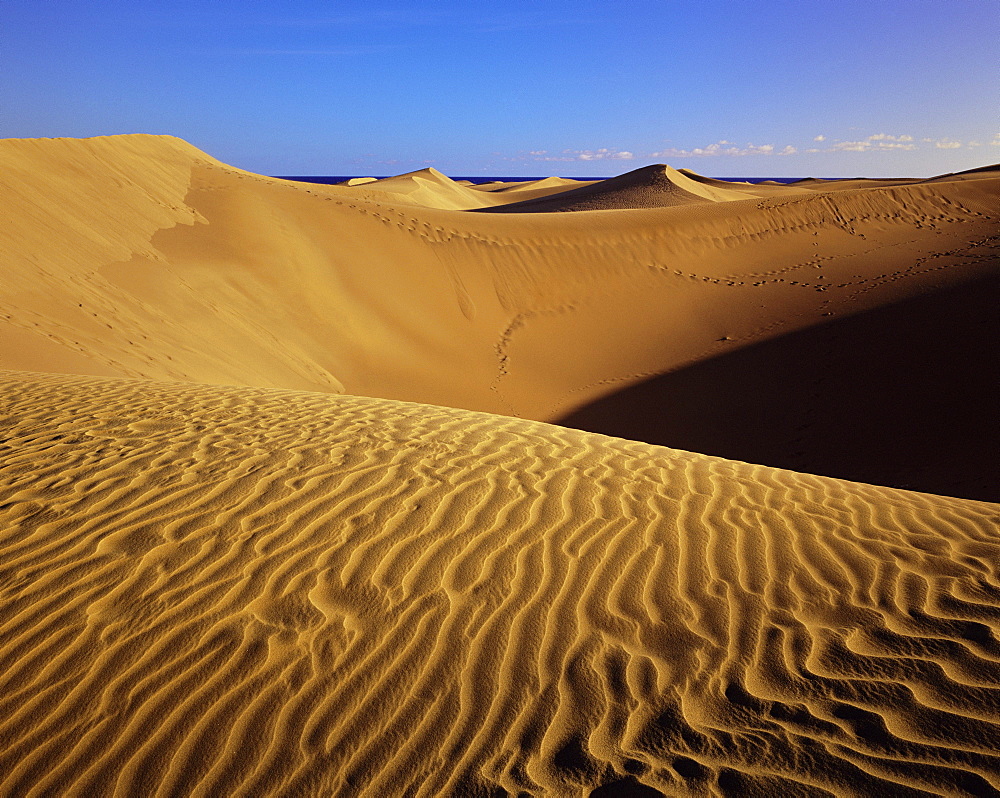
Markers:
239,591
652,485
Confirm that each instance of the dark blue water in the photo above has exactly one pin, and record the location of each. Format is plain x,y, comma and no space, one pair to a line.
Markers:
478,179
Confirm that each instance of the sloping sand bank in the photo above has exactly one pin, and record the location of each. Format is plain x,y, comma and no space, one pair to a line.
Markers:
224,591
139,256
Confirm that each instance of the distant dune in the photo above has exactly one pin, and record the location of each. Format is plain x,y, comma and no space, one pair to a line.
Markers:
655,186
280,513
428,188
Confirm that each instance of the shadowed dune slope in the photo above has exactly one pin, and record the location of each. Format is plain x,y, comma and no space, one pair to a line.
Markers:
223,591
648,187
712,181
905,395
139,256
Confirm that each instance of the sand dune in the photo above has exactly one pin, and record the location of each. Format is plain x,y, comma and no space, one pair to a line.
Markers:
553,182
533,189
235,591
428,188
156,261
431,189
732,185
654,186
256,537
968,174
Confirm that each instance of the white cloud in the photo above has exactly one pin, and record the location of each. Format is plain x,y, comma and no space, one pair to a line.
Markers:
878,142
852,146
885,142
602,154
722,147
789,150
820,137
887,137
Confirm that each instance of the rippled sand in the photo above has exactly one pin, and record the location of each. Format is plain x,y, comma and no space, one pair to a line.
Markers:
237,591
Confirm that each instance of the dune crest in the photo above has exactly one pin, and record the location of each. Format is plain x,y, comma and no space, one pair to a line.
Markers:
240,591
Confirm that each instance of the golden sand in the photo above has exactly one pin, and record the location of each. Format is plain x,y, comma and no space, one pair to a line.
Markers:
139,256
234,562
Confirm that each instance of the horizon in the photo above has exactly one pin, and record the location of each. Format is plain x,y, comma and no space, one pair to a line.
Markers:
546,87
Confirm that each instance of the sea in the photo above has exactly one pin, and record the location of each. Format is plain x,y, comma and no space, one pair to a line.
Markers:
479,179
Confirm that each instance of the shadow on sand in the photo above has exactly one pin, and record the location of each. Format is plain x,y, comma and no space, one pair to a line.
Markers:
906,395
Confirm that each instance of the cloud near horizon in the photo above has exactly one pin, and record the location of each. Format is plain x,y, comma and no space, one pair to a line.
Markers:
720,148
874,143
877,142
602,154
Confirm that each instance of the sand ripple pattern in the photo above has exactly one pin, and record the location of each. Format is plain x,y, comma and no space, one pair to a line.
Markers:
217,591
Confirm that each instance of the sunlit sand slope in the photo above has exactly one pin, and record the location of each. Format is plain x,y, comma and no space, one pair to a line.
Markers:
140,256
221,591
429,188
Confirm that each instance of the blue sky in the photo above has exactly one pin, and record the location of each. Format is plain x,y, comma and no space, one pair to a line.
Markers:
737,88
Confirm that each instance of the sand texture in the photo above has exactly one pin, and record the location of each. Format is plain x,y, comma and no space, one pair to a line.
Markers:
282,512
223,591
